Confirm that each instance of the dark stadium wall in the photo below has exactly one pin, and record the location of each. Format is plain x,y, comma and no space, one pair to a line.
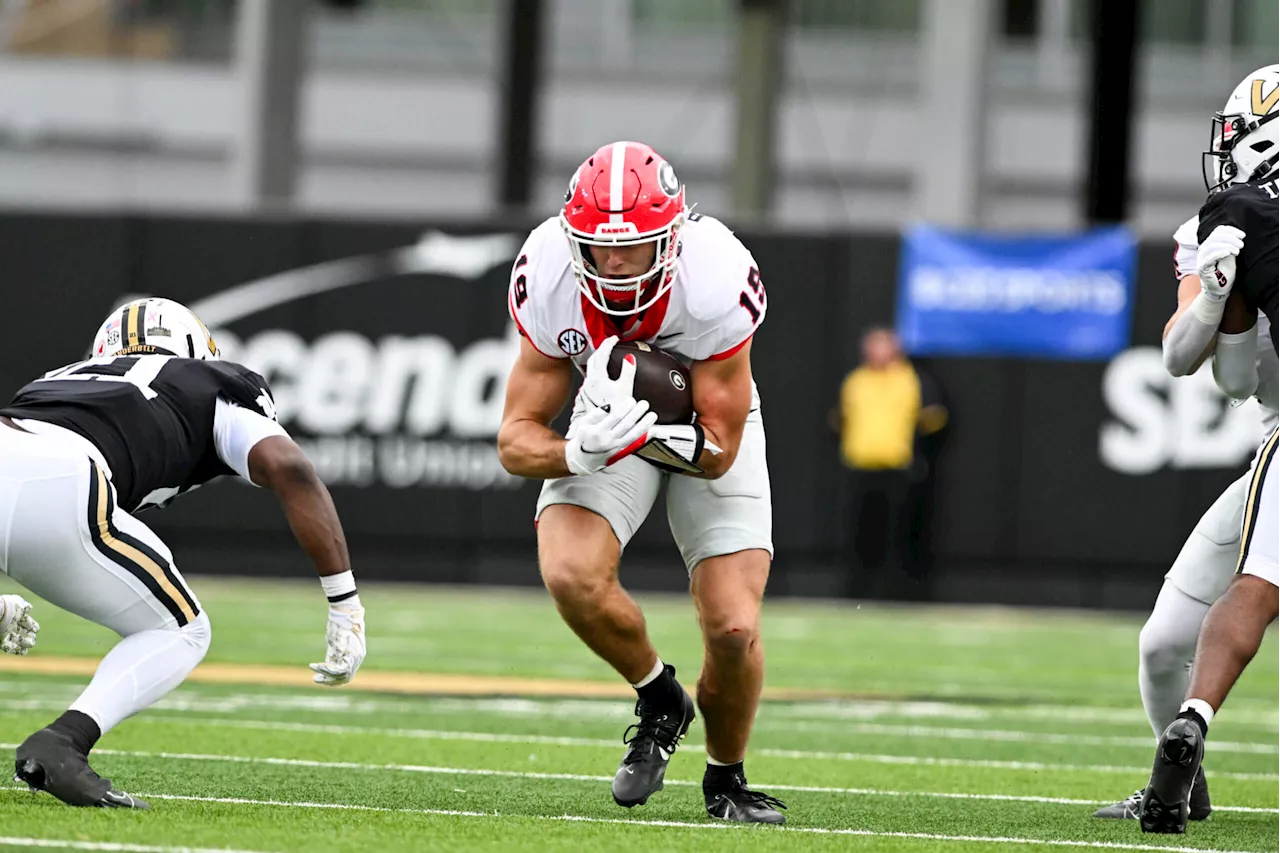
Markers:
1060,484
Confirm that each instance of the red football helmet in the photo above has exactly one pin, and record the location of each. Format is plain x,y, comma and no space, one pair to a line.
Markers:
623,195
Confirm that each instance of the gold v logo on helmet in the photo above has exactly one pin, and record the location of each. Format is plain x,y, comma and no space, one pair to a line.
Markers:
208,336
1260,105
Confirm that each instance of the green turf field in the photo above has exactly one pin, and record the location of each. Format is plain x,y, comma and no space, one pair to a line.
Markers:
960,730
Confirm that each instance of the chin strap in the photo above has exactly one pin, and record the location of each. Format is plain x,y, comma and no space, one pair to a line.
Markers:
1267,169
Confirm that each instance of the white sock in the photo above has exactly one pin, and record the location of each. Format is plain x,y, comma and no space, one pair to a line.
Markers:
141,669
649,679
715,763
1166,648
1201,707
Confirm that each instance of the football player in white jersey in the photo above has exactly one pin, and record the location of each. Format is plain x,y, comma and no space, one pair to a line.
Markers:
1208,560
625,259
1237,268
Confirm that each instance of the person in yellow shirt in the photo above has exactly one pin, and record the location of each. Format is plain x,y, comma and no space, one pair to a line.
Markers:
890,418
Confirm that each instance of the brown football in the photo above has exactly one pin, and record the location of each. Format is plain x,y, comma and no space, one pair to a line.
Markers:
660,378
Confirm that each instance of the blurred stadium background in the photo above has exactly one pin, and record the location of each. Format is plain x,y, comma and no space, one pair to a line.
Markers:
190,146
339,189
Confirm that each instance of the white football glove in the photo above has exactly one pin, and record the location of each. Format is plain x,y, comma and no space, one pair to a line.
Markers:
613,423
345,639
600,438
676,447
17,628
1216,261
598,390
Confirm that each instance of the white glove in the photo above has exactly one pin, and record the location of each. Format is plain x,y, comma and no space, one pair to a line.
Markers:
613,423
17,628
345,638
600,438
1216,261
676,447
598,390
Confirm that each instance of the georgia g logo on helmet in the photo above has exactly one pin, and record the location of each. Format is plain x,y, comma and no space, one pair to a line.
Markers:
667,179
573,186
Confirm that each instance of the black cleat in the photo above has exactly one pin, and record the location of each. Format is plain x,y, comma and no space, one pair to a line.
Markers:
650,744
740,803
1127,809
49,761
1200,806
1166,803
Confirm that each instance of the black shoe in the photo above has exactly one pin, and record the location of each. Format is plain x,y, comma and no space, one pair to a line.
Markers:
1166,803
1127,809
1200,807
739,803
49,761
650,744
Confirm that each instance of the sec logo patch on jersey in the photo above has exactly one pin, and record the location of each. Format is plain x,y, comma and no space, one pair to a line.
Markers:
572,342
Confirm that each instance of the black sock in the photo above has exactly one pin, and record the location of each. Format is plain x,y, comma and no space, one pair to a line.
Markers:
663,691
722,777
84,732
1197,719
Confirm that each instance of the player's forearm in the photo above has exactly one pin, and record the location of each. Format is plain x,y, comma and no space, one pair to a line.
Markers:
713,465
278,464
313,518
716,465
1190,339
529,449
1235,364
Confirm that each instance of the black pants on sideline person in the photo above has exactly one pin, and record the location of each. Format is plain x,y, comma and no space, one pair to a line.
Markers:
887,541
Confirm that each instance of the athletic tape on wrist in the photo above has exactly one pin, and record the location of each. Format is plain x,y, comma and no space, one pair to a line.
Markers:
1208,310
339,587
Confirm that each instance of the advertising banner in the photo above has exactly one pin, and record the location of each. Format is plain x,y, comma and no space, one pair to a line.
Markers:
1058,297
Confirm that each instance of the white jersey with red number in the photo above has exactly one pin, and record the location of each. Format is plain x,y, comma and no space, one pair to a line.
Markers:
715,304
1268,393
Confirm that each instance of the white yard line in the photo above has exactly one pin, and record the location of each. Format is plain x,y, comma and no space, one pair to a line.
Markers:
997,765
873,729
780,714
720,826
487,737
66,844
578,777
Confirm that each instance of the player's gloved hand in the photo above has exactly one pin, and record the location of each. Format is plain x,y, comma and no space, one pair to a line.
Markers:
676,447
1216,261
600,438
608,431
598,390
346,644
17,628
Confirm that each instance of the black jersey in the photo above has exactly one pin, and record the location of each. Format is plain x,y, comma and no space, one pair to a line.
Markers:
1253,209
151,416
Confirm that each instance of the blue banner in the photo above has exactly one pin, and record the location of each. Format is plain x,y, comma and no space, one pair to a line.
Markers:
1061,297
